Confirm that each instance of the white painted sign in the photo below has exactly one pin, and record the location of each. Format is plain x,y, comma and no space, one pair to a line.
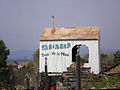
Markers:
59,54
57,47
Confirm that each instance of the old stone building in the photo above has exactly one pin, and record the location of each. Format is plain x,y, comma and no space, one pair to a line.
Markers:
58,45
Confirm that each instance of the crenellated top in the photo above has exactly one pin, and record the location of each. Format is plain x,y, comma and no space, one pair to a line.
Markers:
70,33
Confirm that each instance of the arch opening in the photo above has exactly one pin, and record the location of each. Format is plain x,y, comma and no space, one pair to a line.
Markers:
84,57
74,52
84,53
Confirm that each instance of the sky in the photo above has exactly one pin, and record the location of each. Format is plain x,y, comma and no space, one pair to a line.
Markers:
22,21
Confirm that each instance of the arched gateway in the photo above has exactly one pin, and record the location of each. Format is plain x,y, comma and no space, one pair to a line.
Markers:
58,46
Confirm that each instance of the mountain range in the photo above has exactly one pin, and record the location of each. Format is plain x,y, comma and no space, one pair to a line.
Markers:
21,55
27,55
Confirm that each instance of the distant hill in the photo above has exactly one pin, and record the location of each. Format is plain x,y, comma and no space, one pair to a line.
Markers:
27,55
21,55
108,50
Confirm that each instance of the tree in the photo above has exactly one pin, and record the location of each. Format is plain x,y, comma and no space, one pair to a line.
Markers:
107,59
36,56
36,59
117,57
32,68
4,52
4,72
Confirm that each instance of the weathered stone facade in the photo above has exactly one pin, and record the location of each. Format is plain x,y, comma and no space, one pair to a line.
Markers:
56,45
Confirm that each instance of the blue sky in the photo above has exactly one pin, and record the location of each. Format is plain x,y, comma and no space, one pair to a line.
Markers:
22,21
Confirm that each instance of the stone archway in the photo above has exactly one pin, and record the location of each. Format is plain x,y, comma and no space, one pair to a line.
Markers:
84,57
94,58
84,52
74,52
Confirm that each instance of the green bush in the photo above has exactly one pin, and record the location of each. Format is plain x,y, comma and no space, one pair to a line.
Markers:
109,82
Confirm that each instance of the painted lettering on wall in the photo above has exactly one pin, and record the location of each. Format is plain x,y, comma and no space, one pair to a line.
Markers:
55,54
45,54
56,46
